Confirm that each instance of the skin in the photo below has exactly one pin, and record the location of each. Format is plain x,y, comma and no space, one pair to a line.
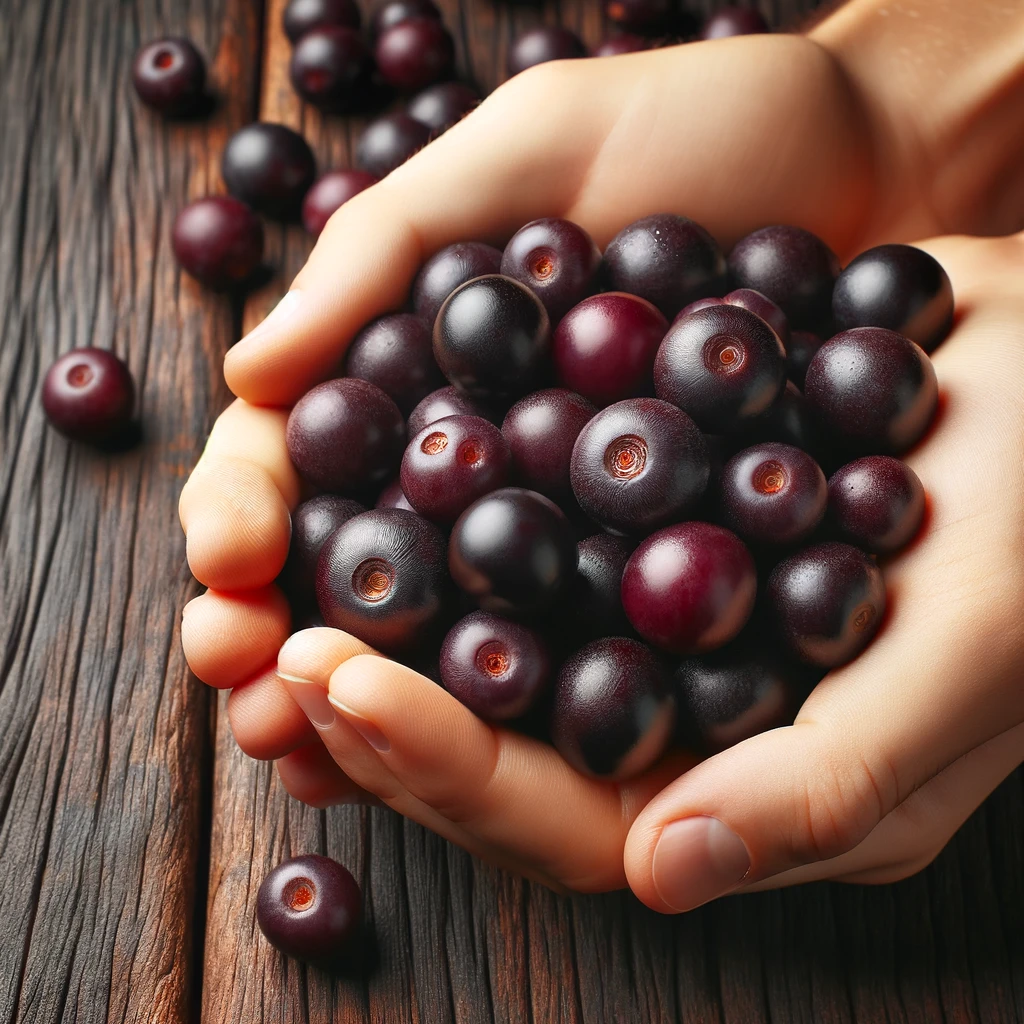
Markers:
890,754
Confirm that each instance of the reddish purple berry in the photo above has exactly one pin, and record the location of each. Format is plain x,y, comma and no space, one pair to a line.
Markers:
764,308
170,76
89,395
332,68
302,16
414,53
394,497
389,13
331,191
877,503
447,401
218,240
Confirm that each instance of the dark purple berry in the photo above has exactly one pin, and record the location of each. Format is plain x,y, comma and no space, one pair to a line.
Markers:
389,141
541,430
666,259
556,259
330,192
828,601
697,304
876,503
313,521
495,667
396,353
270,167
638,465
89,395
451,463
723,365
604,348
218,240
648,16
310,908
394,497
625,42
332,68
764,308
773,494
345,435
392,12
447,270
302,16
382,577
874,388
732,695
794,268
689,588
514,551
734,21
414,53
441,106
447,401
491,337
596,601
801,349
541,44
170,76
614,711
898,287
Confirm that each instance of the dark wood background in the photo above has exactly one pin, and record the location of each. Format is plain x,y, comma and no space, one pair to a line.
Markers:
133,834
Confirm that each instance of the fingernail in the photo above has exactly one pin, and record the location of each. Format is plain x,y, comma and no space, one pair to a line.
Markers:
277,316
363,726
697,860
312,698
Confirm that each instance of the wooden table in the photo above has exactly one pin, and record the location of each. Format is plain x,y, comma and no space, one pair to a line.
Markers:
133,833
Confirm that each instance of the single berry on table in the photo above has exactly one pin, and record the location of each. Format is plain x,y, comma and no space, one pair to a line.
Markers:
388,142
604,347
345,435
614,710
332,68
440,106
454,265
302,16
624,42
638,465
89,395
170,76
331,191
447,401
802,348
270,167
541,44
495,667
767,310
313,521
876,503
415,53
392,12
734,21
382,578
218,240
689,588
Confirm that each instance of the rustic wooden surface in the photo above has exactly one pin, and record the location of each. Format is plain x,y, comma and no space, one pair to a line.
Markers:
133,833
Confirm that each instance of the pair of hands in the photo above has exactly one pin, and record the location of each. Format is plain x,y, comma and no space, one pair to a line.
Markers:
888,755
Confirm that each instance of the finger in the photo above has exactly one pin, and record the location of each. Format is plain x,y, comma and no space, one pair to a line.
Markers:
228,638
265,721
310,775
234,508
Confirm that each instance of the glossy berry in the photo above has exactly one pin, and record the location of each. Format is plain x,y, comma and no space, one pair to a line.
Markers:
689,588
270,167
541,430
898,287
382,578
396,353
876,503
394,497
388,142
514,551
666,259
332,68
391,12
302,16
731,695
595,603
170,76
454,265
773,494
451,463
723,365
345,435
414,53
648,16
794,268
313,521
604,348
625,42
310,908
541,44
638,465
827,601
801,349
874,388
89,395
495,667
556,259
218,240
441,106
331,191
447,401
692,307
491,337
734,21
764,308
614,711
